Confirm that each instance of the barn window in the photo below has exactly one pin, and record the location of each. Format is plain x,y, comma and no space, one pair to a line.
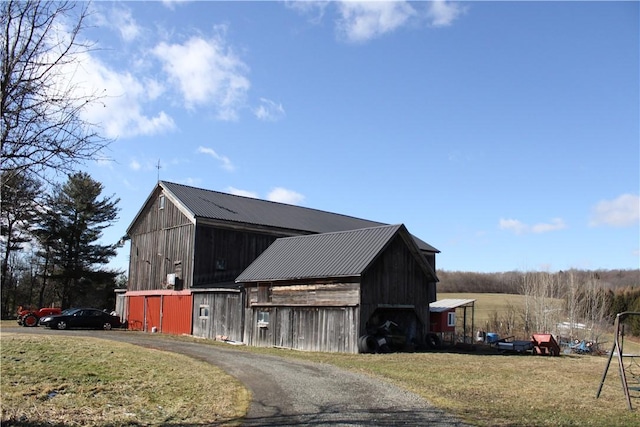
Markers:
203,313
161,202
263,319
451,318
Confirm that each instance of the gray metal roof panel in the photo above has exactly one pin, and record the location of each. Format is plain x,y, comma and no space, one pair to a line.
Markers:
246,210
339,254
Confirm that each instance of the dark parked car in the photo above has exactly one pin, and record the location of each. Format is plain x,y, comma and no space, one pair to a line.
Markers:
90,318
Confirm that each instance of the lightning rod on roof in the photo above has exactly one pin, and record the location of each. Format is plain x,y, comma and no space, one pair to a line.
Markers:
158,167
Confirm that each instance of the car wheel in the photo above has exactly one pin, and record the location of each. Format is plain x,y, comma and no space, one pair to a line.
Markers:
61,325
106,326
30,320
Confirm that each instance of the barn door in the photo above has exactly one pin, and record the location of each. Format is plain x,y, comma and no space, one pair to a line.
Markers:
152,314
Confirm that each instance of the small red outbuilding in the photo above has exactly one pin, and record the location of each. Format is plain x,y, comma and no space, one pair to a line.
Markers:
444,320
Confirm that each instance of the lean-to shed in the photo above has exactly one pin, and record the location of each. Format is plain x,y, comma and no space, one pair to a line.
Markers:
322,292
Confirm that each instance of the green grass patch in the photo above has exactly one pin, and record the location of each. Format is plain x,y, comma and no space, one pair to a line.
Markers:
77,381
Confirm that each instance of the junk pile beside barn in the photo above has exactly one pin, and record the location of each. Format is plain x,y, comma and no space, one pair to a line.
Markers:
539,344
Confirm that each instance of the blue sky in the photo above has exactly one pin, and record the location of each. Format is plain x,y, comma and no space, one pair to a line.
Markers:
505,134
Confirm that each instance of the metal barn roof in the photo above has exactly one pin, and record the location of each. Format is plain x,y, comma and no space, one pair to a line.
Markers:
339,254
448,304
215,205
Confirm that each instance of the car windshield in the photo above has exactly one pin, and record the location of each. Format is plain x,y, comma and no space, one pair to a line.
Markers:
70,311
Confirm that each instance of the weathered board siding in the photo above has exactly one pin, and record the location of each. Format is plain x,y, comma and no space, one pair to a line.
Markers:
304,316
222,254
326,329
396,279
218,313
322,294
161,243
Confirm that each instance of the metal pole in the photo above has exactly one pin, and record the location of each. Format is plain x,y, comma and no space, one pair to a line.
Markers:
617,348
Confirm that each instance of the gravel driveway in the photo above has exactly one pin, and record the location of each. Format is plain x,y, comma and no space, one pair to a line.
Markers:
289,392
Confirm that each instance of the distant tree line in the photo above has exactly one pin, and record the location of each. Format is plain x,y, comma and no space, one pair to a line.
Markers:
590,299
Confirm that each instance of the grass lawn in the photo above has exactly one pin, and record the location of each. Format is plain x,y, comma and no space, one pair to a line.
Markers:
485,390
76,381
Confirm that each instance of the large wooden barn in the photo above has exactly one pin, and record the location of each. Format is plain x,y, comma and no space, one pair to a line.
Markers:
192,271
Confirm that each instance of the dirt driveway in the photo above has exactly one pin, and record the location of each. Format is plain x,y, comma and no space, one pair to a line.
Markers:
289,392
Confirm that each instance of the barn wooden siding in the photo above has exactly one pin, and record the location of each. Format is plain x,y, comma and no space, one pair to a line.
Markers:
312,293
222,254
218,312
396,279
161,243
326,329
312,316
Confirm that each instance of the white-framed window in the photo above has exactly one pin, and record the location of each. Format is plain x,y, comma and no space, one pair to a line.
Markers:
263,319
161,202
203,313
451,318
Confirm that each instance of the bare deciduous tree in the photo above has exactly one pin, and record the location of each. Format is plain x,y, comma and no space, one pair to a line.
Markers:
42,128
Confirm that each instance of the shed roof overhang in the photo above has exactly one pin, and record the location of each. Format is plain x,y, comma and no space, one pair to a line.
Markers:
450,304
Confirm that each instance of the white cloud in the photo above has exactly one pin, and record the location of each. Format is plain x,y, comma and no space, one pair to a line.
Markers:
120,99
170,4
362,21
282,195
624,211
115,99
518,227
207,73
244,193
269,111
442,13
314,9
122,20
555,224
226,163
512,225
135,165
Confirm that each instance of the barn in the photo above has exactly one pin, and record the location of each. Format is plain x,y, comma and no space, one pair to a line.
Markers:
188,246
323,292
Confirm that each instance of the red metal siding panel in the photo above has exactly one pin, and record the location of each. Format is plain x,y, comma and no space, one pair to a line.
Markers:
135,315
152,313
176,314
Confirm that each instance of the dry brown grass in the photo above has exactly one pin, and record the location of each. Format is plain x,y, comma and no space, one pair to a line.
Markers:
482,389
75,381
501,390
